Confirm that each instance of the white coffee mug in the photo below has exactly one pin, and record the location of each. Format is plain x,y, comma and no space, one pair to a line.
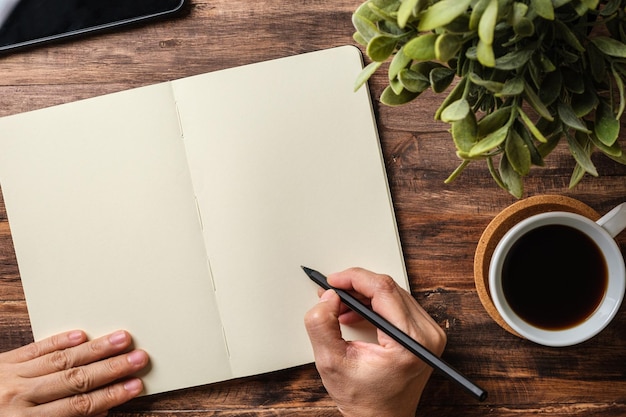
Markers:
602,233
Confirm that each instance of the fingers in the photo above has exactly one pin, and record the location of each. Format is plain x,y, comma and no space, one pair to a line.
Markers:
66,375
95,403
45,346
322,325
393,303
89,377
62,359
386,297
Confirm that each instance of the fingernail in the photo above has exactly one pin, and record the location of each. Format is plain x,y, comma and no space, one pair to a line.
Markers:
75,336
326,296
133,385
118,338
136,357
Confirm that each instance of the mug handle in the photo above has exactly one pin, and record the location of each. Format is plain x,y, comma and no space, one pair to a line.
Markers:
615,220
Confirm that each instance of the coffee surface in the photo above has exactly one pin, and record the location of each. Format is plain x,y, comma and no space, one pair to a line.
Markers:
554,277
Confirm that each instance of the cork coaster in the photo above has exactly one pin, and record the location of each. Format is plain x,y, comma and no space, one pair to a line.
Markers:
499,226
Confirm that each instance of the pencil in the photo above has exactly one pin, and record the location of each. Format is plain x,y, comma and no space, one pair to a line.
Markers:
399,336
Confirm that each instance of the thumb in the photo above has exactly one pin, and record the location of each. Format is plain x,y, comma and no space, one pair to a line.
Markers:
322,325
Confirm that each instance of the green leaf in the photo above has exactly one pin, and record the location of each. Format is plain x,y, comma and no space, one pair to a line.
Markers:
464,132
413,81
611,7
535,155
579,146
613,151
487,24
610,46
512,87
455,94
573,81
546,148
606,126
622,95
543,8
457,110
577,175
493,86
485,54
381,47
584,103
384,10
365,74
567,115
517,153
493,121
524,28
511,178
441,78
442,13
558,3
405,11
515,59
621,159
358,38
565,32
365,11
390,98
365,27
398,63
422,47
477,12
396,86
447,46
596,63
551,87
490,142
582,154
495,174
532,127
519,12
536,103
425,67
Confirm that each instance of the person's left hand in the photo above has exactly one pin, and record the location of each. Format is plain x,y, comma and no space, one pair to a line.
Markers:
68,376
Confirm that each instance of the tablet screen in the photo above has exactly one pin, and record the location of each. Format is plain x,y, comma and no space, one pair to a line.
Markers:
26,22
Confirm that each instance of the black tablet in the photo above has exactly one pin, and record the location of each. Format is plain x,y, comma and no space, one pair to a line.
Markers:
30,22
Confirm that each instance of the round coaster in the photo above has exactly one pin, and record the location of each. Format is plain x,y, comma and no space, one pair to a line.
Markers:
506,219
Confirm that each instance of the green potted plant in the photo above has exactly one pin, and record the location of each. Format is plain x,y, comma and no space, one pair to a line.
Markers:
520,75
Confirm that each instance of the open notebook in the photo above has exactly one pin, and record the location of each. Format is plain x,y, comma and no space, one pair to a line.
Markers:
182,212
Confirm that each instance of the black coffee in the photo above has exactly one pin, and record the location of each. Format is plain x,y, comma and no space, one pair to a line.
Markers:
554,277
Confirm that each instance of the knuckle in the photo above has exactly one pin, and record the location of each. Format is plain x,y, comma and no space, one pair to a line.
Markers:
32,351
440,340
60,360
385,283
116,367
111,395
312,317
95,347
78,380
326,364
10,393
82,405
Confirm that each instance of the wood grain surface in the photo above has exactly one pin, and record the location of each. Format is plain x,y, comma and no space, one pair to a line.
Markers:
440,225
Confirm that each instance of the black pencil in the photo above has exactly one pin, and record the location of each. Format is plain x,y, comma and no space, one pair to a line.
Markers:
399,336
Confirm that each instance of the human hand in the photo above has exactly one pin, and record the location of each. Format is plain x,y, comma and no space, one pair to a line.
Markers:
372,379
67,376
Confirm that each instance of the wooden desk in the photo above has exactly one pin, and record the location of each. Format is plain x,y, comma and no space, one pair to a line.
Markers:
440,224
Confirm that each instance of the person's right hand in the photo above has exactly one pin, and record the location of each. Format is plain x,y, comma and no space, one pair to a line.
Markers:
67,376
372,379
